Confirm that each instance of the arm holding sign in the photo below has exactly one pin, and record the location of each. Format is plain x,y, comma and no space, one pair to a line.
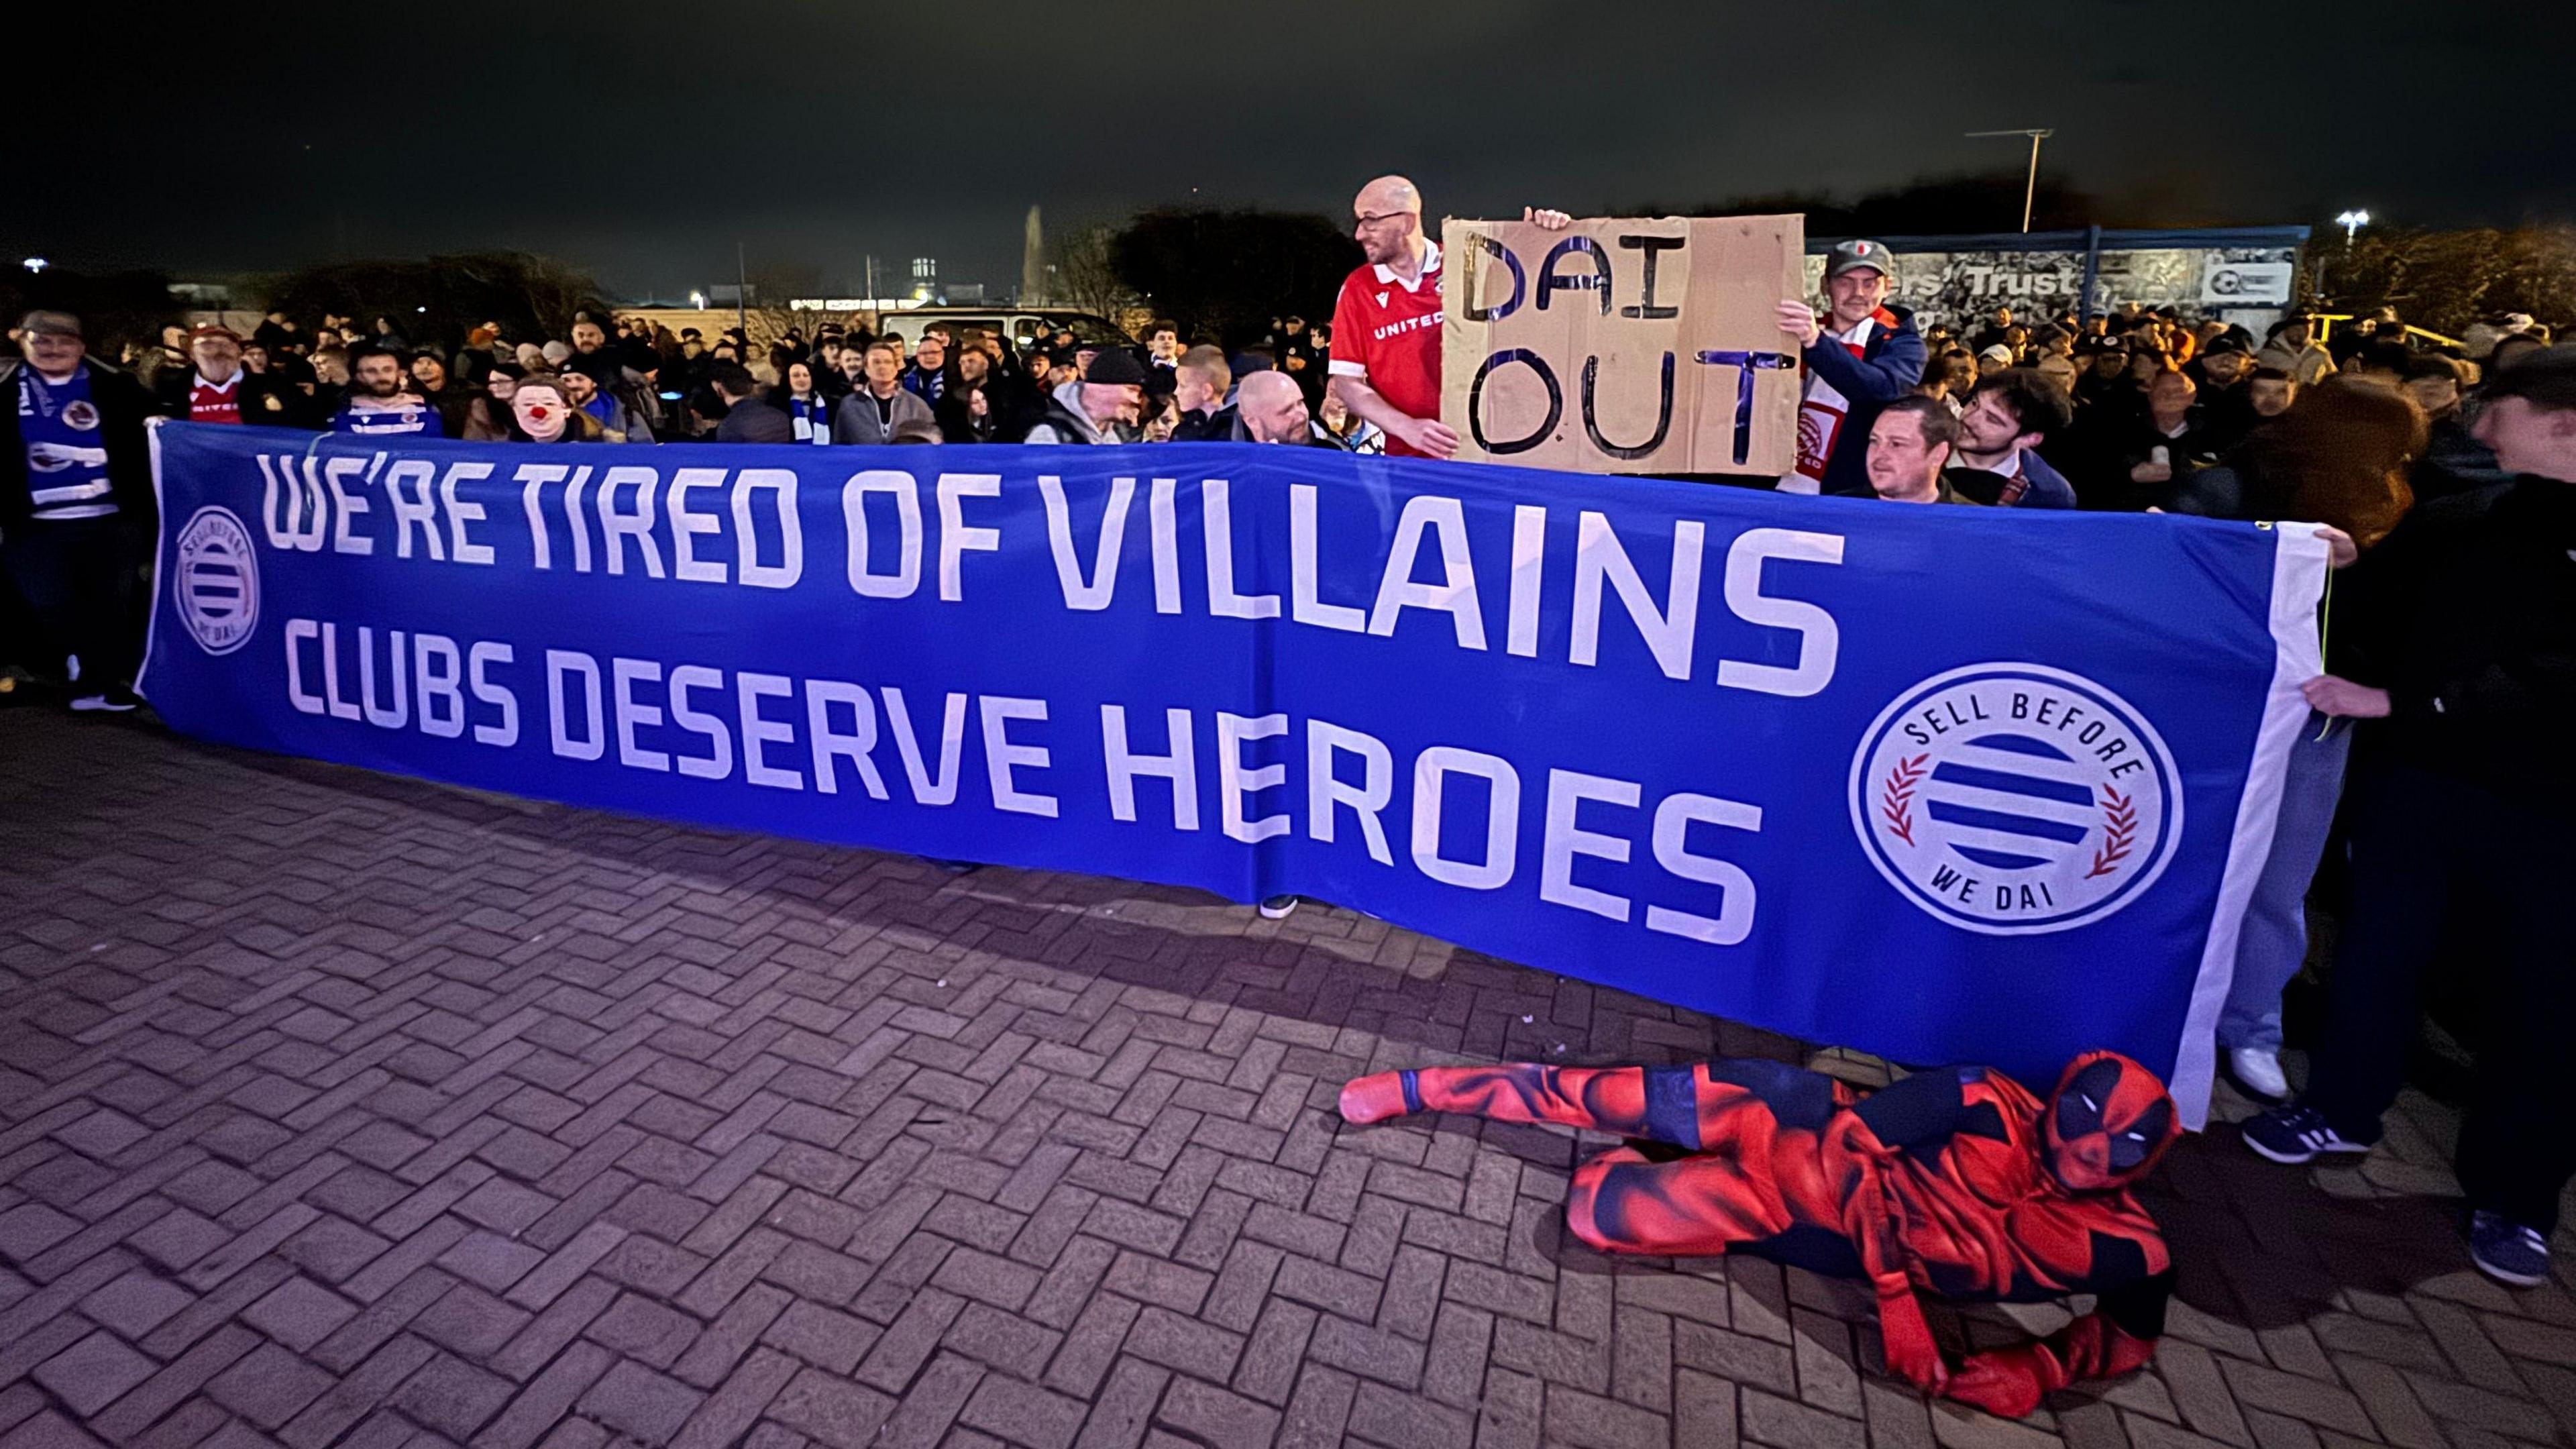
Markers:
1891,366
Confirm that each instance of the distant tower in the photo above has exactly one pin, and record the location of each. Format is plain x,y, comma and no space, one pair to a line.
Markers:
1032,262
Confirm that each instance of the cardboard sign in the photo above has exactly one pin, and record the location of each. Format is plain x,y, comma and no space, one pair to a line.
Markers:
1623,345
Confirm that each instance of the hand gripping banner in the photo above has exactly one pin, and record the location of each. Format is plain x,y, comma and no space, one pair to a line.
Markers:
1944,784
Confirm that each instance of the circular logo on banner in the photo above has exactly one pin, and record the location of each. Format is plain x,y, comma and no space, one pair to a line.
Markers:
2015,799
217,581
80,415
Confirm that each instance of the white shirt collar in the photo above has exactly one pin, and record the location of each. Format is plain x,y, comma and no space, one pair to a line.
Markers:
1430,268
226,385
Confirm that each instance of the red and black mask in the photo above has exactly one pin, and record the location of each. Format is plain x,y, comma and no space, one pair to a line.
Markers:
2107,1123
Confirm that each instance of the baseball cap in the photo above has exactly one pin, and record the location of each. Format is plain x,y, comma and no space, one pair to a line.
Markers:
1860,256
1116,366
1999,353
2223,344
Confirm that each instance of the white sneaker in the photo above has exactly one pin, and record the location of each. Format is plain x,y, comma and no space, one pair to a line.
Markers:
116,703
2257,1072
1277,908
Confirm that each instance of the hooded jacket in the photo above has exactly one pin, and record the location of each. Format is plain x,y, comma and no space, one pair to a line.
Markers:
1064,421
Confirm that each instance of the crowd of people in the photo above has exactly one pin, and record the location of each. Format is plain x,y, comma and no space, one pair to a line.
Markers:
2440,475
628,379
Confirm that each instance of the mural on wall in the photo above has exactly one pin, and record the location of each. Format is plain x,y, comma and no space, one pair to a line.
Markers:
1963,287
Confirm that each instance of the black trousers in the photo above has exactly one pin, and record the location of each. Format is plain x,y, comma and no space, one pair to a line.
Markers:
2416,836
77,580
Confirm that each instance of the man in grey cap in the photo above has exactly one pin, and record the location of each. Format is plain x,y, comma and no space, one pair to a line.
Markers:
1861,356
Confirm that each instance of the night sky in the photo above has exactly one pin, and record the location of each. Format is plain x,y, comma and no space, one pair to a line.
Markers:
642,138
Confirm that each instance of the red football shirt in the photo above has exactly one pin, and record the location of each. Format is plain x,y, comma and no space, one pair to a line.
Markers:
208,403
1387,335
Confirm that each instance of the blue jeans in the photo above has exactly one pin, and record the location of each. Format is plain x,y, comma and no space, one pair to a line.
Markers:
2274,939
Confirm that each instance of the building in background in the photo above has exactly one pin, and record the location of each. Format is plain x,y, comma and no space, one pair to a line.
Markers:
2247,274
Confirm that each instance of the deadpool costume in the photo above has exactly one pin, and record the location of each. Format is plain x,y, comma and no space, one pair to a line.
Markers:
1956,1182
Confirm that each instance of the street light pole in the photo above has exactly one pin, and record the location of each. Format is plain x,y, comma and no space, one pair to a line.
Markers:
2030,186
741,285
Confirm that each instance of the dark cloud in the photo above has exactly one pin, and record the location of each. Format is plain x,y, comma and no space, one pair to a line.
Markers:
643,138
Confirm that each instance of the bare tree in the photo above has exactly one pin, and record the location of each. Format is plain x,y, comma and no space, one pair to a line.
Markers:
2446,280
1084,274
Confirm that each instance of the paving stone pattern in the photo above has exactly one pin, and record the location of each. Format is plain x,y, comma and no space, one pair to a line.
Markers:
342,1110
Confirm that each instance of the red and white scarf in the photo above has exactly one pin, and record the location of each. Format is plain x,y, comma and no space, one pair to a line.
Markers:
1821,411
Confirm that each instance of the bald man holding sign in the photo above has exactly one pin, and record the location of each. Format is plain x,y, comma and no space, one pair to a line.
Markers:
1386,325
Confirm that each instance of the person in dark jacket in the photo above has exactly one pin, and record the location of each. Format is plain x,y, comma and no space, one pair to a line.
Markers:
2006,418
2456,646
968,415
216,388
747,419
440,389
1199,386
2142,460
2337,457
595,383
76,505
2227,413
2453,460
1860,357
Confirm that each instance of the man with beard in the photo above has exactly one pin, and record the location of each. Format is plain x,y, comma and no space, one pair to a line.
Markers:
605,399
630,390
2293,348
1271,408
2007,418
378,405
218,389
1869,357
1386,367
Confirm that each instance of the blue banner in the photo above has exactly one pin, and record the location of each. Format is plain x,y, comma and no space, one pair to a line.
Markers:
1944,784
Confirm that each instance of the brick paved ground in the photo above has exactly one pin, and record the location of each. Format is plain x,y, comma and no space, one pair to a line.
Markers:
341,1110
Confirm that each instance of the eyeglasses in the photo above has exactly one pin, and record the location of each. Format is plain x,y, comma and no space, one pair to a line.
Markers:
1374,218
